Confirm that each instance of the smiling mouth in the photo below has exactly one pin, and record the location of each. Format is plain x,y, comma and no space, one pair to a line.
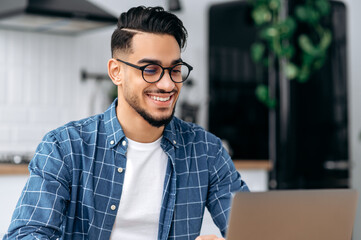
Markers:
161,96
161,99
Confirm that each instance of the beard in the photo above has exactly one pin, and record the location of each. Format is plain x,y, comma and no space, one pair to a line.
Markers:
133,101
151,120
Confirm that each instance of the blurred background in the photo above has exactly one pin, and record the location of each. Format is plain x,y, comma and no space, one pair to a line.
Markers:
276,80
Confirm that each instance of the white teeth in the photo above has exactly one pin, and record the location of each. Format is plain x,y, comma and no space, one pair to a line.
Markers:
160,99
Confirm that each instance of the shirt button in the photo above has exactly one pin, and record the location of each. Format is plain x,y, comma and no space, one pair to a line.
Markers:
124,143
113,207
120,170
112,142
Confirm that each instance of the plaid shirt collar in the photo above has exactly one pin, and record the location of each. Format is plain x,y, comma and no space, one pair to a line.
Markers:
115,131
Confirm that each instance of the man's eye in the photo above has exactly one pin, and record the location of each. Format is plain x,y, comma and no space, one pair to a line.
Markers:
151,70
177,70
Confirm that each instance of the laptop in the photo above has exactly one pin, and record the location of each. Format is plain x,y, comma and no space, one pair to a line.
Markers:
293,215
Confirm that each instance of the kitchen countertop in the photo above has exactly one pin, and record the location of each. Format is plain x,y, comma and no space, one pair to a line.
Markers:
16,169
253,164
13,169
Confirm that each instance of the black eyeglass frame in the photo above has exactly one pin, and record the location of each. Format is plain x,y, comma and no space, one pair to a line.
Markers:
163,68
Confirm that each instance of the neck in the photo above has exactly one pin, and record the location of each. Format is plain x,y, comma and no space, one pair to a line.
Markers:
135,127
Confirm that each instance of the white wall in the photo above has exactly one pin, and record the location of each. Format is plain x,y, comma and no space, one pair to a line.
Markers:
40,86
354,52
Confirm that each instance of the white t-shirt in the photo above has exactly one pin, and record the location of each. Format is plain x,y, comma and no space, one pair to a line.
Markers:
141,200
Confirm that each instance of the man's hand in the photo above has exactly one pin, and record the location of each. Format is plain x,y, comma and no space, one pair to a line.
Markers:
209,237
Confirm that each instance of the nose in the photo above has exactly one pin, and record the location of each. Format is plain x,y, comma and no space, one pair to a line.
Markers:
166,83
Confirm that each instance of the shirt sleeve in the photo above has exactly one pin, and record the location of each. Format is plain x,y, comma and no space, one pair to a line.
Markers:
224,181
40,211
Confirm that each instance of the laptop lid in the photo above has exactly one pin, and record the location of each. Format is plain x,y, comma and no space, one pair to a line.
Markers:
293,215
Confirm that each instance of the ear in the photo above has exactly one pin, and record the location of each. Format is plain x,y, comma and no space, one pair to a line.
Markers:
114,71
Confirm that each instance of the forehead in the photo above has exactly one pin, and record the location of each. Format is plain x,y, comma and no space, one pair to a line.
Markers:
162,47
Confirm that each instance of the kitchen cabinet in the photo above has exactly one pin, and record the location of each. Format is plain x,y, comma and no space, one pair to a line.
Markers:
306,135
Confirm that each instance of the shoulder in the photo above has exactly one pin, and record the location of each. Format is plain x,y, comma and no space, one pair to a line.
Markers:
195,133
77,129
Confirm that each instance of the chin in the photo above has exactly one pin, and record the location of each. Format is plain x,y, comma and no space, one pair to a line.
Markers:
157,121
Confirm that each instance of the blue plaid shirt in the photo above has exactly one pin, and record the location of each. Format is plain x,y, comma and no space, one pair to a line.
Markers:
77,174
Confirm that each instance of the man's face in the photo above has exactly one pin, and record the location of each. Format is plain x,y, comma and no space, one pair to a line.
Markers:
155,102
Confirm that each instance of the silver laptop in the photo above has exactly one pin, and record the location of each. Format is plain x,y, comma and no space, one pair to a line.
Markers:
293,215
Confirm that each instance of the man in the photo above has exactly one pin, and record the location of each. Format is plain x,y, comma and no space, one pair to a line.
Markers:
135,171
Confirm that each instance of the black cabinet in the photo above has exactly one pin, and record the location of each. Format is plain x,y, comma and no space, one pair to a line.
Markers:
306,136
235,114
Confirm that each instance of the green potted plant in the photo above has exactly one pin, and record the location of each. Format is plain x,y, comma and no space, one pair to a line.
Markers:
297,37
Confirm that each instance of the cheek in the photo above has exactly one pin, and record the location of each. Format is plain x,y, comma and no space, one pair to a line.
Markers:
129,91
133,89
179,88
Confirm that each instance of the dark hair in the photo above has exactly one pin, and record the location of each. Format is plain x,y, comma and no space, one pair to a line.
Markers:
147,19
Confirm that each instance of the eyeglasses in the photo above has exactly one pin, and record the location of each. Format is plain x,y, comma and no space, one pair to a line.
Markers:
153,72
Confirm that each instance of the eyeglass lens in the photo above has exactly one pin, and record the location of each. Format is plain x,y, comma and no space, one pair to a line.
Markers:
153,73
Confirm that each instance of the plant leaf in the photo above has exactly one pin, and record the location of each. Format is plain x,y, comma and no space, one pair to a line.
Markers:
307,46
269,33
323,7
261,15
304,74
262,95
262,92
257,51
301,13
287,27
287,51
307,14
326,40
291,70
274,4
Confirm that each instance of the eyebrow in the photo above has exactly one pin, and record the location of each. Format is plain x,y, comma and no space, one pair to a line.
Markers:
148,60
